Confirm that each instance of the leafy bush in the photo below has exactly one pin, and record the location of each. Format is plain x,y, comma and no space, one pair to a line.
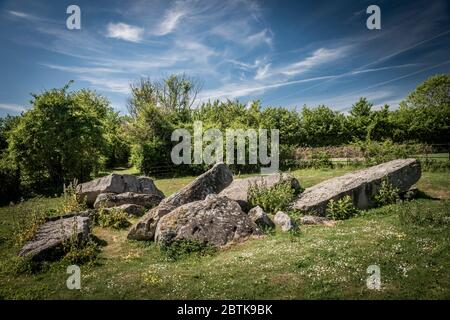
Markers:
270,199
321,160
434,165
70,201
183,248
341,209
80,252
116,219
26,224
387,194
420,214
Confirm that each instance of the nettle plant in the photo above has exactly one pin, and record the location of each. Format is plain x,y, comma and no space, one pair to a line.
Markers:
341,209
116,219
387,194
271,199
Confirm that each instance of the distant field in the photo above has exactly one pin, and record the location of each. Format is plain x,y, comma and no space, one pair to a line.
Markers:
318,263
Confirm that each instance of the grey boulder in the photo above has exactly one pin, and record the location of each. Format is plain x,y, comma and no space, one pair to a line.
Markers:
48,241
284,222
108,200
217,221
212,181
116,183
361,186
258,216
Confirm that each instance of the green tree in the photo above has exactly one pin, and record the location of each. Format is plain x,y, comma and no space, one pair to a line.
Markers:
360,119
60,138
323,127
156,109
425,114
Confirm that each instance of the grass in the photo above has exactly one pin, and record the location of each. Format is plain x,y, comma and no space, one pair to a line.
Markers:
318,263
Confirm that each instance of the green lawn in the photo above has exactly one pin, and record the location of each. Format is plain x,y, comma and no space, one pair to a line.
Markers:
318,263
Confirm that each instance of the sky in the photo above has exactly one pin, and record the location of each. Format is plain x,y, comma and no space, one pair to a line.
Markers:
283,53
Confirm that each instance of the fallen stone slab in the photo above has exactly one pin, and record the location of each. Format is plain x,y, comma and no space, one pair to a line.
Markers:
217,221
212,181
361,186
238,189
284,222
108,200
47,243
116,183
260,217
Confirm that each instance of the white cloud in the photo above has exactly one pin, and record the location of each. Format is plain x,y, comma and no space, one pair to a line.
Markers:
76,69
262,72
170,21
19,14
125,32
108,84
237,90
320,56
11,107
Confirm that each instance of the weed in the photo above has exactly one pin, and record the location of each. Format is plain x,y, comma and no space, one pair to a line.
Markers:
341,209
180,249
387,194
115,218
271,199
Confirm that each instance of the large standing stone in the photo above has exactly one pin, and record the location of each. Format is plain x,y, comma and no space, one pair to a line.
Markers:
212,181
108,200
217,221
238,189
48,240
360,185
116,183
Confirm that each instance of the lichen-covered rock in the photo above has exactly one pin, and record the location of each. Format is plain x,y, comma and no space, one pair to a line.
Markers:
238,189
262,220
217,221
284,222
48,240
133,210
116,183
212,181
108,200
361,185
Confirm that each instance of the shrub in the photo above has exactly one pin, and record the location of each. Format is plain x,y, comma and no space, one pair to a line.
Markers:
116,219
321,160
80,252
26,224
341,209
183,248
70,201
387,194
417,213
434,165
270,199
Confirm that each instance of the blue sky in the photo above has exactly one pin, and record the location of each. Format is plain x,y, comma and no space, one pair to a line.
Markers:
283,53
